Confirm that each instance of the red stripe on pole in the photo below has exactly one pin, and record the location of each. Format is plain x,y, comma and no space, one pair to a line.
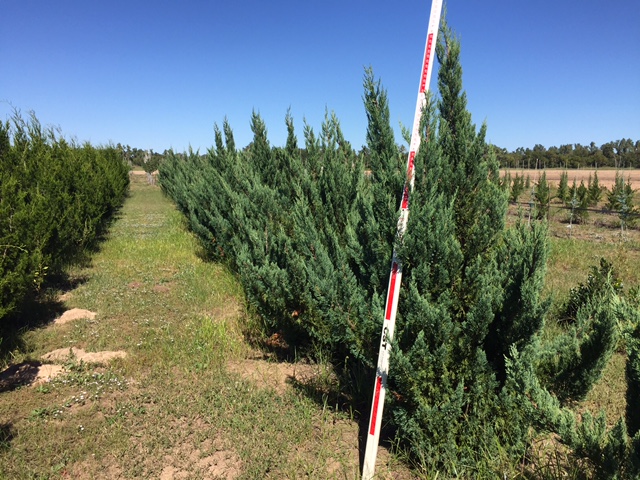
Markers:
395,280
392,287
425,65
412,158
376,399
405,197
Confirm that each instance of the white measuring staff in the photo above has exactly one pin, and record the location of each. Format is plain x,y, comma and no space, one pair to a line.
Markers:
395,278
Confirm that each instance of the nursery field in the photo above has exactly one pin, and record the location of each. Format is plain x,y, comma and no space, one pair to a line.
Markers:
606,177
156,377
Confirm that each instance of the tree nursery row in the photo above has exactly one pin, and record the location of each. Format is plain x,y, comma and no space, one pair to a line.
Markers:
56,199
310,233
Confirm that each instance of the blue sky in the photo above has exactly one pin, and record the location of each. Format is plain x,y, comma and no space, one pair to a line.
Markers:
160,74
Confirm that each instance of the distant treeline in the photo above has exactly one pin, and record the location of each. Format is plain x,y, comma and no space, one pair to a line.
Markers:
147,159
55,200
623,153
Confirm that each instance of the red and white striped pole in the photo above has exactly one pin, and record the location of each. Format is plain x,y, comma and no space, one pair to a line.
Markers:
395,278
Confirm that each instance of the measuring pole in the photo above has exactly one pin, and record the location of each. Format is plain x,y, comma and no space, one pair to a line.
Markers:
395,278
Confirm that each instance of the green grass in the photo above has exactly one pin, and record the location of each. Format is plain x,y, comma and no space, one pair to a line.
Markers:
574,250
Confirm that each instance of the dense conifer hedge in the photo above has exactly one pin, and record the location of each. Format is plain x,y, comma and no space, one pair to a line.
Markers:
310,233
55,199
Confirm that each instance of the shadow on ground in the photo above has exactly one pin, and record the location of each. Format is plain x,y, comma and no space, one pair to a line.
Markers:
36,312
7,434
18,375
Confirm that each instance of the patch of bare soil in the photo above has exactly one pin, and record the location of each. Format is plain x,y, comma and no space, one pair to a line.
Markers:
606,178
189,460
163,288
548,455
276,375
101,358
35,372
346,444
281,376
229,308
74,314
90,469
27,373
65,296
47,372
192,454
343,437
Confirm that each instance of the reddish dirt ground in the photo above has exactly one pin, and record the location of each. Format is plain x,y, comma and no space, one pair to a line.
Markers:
606,178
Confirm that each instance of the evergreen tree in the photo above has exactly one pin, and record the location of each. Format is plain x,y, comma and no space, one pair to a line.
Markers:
505,181
577,359
595,192
611,453
378,204
460,311
620,200
542,197
632,416
578,203
311,233
563,188
517,187
582,194
617,193
56,198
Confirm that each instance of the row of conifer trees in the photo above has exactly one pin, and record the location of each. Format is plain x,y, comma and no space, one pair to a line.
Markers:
55,200
310,233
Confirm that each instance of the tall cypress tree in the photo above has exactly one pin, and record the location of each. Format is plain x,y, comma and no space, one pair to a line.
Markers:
471,293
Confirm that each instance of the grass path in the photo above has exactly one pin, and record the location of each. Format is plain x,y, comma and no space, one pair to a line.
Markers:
178,405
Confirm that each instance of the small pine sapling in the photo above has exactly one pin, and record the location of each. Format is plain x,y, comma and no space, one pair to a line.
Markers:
517,188
595,192
563,188
542,197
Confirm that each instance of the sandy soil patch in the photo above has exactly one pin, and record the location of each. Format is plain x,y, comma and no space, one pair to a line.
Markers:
220,464
344,437
90,469
192,455
62,354
65,296
47,372
28,373
281,376
163,287
74,314
276,375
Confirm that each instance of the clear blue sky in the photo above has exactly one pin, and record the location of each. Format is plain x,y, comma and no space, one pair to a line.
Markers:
159,74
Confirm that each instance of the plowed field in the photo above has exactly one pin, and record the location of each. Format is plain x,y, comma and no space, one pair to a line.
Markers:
606,178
